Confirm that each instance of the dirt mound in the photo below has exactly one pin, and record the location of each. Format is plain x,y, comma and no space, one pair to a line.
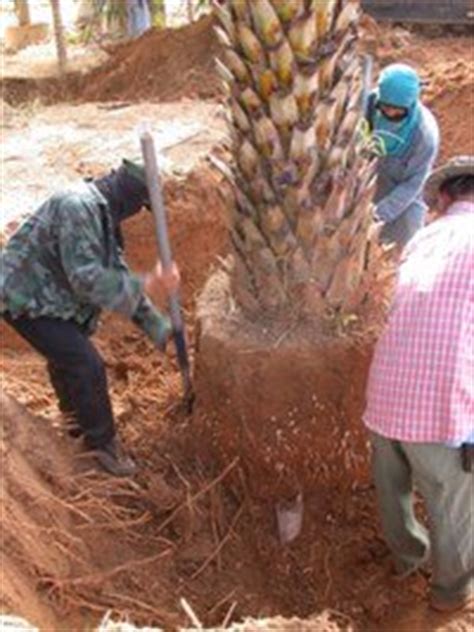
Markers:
450,94
164,65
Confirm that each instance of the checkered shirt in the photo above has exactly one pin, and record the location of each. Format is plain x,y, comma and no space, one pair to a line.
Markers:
421,381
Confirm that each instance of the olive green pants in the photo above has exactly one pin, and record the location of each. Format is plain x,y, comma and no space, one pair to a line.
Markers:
448,492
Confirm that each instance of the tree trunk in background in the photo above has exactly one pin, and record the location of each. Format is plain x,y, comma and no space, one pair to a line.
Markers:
22,11
190,9
59,36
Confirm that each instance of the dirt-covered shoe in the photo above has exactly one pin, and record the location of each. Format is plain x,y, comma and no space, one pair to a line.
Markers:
114,460
463,602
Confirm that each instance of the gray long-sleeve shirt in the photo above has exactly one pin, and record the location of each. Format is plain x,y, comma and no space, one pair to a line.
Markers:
401,178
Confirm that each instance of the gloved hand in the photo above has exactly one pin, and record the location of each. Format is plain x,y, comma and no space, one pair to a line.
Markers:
376,216
159,280
154,323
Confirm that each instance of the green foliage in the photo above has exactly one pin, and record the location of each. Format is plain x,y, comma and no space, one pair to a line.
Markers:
158,13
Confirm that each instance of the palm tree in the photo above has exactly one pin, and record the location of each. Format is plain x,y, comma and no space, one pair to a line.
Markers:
303,240
303,188
59,36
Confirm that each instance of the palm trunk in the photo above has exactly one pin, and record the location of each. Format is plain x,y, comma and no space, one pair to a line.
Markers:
301,223
59,36
22,10
285,334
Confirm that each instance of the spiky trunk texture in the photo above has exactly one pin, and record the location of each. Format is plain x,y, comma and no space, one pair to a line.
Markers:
301,223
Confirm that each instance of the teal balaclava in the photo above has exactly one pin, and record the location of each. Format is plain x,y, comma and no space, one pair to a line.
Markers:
399,86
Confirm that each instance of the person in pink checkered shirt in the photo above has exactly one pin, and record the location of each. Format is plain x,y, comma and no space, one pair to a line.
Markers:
420,396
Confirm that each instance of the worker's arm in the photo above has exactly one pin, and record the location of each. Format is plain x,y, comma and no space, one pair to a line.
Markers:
418,169
83,252
146,316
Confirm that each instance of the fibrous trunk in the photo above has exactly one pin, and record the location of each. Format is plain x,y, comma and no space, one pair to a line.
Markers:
301,221
285,333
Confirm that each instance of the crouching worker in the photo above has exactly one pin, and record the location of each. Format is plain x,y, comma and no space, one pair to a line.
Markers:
420,398
409,136
58,270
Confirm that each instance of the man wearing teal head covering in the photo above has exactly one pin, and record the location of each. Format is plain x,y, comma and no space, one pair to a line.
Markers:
409,138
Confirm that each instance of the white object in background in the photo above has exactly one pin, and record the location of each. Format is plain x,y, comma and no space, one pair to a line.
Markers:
290,518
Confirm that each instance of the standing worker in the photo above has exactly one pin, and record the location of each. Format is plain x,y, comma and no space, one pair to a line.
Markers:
409,136
138,17
57,271
420,397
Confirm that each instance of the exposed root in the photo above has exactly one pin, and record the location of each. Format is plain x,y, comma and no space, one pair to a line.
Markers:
200,493
221,545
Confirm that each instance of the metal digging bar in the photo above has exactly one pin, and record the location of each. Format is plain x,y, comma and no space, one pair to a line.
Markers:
161,228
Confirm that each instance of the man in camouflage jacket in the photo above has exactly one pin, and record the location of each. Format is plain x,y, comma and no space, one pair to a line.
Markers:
58,270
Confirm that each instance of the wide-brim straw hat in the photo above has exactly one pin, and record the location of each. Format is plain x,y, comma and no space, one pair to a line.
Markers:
457,166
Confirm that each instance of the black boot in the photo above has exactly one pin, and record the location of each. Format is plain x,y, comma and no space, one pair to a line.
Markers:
114,460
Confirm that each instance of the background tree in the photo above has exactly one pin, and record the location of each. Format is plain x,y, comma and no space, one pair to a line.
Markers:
59,36
22,11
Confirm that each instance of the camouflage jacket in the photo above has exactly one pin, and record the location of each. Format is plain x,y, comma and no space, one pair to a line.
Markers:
65,262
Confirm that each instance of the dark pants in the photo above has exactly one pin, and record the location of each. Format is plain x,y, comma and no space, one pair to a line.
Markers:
77,373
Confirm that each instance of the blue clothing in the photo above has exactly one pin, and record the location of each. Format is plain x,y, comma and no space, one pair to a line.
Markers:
396,136
138,17
399,194
399,85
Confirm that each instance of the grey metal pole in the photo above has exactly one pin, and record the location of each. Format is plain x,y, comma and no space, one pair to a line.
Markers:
161,228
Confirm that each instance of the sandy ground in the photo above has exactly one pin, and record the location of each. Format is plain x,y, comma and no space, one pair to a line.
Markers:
48,149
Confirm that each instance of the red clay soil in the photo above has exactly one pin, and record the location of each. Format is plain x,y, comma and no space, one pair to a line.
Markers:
76,543
290,401
163,65
79,543
172,64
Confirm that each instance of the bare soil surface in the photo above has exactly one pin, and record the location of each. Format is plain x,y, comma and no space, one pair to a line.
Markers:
162,65
75,543
47,149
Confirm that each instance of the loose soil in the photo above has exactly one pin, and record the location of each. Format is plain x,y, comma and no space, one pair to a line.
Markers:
162,65
76,543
